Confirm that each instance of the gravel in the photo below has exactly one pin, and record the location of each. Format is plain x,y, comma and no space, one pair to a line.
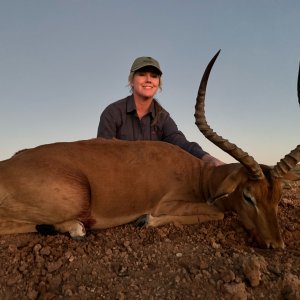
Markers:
215,260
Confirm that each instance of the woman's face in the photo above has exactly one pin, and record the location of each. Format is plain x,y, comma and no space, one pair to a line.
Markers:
145,83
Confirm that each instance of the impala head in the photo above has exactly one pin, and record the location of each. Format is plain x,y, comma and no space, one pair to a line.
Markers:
252,190
256,203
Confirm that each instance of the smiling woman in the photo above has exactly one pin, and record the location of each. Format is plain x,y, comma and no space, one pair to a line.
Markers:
140,116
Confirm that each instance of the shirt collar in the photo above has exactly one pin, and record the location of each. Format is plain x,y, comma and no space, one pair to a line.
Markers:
131,106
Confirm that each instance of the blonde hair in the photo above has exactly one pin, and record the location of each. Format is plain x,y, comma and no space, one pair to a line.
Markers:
130,80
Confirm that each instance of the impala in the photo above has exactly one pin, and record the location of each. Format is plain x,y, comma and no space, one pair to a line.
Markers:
97,183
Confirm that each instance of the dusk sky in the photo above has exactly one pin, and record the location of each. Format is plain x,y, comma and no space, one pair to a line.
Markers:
63,61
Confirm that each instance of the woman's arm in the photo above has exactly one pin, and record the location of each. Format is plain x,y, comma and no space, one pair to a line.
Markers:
172,135
107,126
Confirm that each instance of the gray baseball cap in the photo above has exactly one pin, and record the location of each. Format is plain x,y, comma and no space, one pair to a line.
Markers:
145,61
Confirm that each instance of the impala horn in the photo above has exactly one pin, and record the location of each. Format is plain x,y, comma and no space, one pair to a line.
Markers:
244,158
287,163
290,160
298,85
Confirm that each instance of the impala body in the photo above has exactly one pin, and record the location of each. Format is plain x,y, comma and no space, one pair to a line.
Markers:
102,183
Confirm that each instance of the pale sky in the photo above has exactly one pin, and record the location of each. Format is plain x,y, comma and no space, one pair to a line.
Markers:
63,61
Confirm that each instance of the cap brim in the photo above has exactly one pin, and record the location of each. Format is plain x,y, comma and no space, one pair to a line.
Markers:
147,66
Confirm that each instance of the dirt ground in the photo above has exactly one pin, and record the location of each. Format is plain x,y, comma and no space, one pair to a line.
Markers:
215,260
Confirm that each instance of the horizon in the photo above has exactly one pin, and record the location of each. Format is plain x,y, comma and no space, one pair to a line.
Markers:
63,62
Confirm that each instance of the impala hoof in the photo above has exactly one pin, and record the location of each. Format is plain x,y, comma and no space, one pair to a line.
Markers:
142,221
78,231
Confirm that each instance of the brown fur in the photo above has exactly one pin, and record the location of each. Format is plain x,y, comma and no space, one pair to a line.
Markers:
104,183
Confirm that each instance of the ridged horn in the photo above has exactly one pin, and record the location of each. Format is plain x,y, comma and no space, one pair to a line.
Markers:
298,85
290,160
244,158
287,163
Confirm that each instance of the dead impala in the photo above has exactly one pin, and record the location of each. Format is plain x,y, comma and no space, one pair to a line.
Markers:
100,183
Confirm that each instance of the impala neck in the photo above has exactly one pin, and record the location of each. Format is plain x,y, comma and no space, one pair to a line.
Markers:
219,182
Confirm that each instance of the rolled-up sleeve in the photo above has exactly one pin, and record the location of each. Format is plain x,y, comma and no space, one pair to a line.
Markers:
172,135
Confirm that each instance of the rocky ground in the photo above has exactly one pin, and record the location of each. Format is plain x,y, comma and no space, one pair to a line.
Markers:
215,260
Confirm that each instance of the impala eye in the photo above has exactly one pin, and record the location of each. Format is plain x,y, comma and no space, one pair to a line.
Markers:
249,199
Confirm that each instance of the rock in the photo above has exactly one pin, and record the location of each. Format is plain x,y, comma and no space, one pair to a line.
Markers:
32,294
53,266
227,276
252,267
45,251
235,291
291,287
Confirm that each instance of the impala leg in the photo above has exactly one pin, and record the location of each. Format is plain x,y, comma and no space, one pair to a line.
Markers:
73,227
12,227
187,220
181,212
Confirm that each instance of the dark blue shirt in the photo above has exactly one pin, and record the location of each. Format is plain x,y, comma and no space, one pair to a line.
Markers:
119,120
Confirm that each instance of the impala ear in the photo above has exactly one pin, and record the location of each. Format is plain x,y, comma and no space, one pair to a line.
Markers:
228,184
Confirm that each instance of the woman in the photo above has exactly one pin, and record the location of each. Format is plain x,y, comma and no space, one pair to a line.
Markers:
140,117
